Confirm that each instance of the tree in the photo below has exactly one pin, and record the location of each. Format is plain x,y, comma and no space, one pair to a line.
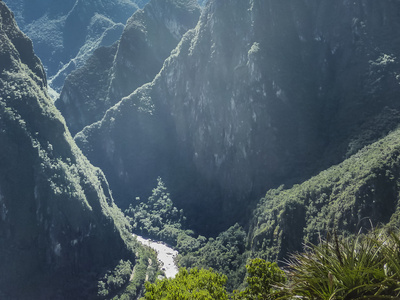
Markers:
157,214
194,284
261,278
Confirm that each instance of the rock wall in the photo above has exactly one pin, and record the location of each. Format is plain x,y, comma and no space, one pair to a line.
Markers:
65,33
260,93
110,74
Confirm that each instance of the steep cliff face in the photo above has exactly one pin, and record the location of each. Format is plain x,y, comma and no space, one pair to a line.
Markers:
110,74
59,226
83,99
65,33
259,93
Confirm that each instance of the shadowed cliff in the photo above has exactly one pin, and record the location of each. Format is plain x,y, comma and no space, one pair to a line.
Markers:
115,72
258,94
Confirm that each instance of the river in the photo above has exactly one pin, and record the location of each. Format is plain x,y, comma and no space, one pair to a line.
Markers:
166,255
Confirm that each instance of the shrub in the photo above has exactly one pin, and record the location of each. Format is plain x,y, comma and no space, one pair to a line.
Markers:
194,284
262,277
361,267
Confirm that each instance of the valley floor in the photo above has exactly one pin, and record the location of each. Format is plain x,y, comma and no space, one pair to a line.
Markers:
166,255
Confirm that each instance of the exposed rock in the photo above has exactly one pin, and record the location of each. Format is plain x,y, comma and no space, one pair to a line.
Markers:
147,40
259,93
83,98
59,226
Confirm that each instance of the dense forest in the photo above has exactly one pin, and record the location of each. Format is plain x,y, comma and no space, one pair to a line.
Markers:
257,138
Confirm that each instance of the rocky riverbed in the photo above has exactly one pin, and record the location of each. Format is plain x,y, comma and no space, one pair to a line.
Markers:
166,255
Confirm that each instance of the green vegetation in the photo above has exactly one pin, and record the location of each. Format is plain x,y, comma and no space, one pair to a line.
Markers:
365,266
363,185
261,278
225,254
362,189
361,267
194,284
126,281
116,279
59,226
157,218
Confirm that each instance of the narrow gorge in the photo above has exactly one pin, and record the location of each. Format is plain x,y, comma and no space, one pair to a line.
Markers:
229,130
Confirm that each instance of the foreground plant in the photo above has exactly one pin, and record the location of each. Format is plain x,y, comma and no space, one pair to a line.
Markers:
189,285
262,277
361,267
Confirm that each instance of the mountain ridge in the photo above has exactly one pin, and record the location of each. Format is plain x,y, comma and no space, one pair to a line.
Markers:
258,94
147,40
248,103
65,33
353,196
57,215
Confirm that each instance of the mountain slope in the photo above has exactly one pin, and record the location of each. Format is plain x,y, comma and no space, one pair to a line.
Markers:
258,94
360,192
65,33
59,227
110,74
348,199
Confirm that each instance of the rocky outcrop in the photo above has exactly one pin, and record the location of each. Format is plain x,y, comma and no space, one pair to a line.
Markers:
59,226
65,33
110,74
258,94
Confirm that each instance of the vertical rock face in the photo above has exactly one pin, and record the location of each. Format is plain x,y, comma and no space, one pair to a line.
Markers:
65,33
110,74
148,39
83,99
58,221
258,94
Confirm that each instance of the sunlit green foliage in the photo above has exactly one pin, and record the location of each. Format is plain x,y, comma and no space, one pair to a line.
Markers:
361,267
157,217
225,254
365,266
145,269
262,276
348,196
194,284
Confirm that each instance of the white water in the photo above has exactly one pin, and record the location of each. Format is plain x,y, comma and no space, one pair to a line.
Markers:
165,255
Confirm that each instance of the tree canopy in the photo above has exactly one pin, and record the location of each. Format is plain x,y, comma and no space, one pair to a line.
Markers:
194,284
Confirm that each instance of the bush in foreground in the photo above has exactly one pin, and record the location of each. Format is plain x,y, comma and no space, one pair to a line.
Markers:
358,267
361,267
194,284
